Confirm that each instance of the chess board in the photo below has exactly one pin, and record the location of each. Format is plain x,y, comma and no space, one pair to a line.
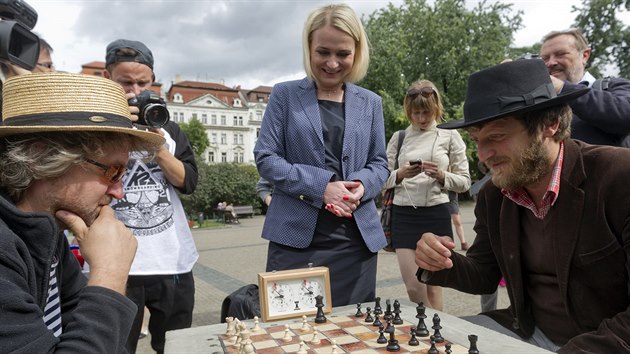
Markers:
350,333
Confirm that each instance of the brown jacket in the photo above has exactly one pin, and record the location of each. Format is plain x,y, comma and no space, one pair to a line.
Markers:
592,245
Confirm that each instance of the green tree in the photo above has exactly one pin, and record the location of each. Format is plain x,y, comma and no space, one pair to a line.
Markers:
233,183
196,133
608,37
444,42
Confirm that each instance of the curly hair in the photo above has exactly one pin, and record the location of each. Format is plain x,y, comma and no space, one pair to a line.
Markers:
25,158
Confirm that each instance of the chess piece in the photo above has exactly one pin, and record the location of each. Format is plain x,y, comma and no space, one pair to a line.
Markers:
388,310
381,335
433,349
377,306
359,312
334,347
421,329
256,327
436,327
248,348
305,326
368,315
297,306
302,349
473,344
377,322
413,340
287,334
315,339
319,303
389,326
447,348
392,343
230,326
397,319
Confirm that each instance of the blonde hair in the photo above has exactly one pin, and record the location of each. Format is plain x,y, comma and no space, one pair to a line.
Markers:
579,41
343,18
432,104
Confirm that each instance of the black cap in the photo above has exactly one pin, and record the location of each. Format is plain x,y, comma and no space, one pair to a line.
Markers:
143,55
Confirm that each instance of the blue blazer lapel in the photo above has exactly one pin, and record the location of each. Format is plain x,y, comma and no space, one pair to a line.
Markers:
307,96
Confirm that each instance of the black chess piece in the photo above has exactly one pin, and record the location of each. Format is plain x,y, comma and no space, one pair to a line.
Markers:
319,303
377,306
397,320
413,340
473,344
359,312
389,326
436,327
368,315
433,349
377,322
421,329
447,349
381,336
388,310
392,343
297,306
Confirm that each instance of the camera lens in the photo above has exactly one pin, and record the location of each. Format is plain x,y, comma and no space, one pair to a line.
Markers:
156,115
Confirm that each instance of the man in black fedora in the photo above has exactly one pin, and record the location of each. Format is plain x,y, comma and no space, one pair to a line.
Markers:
65,141
555,221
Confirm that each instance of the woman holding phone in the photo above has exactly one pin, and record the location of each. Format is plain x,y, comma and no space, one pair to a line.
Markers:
431,162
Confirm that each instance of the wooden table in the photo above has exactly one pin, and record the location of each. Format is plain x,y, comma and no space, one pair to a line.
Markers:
205,339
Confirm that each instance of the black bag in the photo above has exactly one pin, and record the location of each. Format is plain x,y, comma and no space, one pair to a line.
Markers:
388,200
243,303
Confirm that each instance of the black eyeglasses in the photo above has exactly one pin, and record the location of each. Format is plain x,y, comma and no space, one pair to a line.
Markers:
112,174
426,92
46,65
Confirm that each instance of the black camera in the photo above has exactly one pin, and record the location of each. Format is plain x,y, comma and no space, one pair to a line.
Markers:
415,162
153,112
529,55
18,45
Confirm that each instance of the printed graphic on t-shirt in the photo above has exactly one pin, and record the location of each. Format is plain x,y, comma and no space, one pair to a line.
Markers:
146,207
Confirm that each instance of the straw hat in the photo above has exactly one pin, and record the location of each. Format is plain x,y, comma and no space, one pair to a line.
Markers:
62,102
510,88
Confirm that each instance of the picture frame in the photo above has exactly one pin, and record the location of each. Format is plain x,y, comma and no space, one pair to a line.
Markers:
291,293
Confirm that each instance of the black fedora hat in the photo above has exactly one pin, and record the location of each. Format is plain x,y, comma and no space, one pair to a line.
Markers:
510,88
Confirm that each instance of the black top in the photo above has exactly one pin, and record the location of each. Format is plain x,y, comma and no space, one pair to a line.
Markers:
333,126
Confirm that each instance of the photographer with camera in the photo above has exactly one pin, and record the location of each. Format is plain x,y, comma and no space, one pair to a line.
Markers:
602,116
160,278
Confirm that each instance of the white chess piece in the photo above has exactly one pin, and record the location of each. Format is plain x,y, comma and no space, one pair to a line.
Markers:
315,339
302,349
256,327
305,326
287,334
249,347
230,326
334,347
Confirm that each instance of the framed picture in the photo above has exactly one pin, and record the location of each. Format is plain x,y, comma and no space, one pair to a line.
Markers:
291,293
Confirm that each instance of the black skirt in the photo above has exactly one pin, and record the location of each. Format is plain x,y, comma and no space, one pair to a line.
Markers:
338,245
409,223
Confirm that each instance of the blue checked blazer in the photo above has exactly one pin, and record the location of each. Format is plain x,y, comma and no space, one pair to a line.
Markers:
290,154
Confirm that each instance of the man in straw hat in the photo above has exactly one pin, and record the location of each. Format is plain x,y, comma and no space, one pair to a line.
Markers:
161,274
554,220
64,146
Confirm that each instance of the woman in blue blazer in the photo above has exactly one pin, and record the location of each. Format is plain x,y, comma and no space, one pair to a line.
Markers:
322,146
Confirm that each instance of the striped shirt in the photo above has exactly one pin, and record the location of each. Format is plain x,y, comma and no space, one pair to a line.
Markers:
522,198
52,310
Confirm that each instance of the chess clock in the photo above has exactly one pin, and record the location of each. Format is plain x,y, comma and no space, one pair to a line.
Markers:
291,293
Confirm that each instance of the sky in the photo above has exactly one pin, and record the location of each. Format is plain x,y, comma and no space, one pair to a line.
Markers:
233,42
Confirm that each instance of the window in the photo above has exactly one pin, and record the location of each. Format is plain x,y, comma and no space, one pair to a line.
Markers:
223,138
240,121
224,157
213,139
257,133
204,119
259,115
178,98
238,157
213,119
235,121
194,116
181,116
240,139
211,156
235,139
223,120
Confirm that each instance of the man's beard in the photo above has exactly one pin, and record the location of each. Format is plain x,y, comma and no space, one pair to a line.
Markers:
531,166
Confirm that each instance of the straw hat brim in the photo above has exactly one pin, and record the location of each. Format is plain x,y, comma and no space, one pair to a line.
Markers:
154,139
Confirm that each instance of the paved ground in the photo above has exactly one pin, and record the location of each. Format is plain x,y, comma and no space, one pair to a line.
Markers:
232,256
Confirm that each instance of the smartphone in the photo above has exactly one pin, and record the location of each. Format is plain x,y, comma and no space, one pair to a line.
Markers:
415,162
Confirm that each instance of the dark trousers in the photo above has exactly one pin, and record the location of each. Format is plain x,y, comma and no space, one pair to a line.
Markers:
170,300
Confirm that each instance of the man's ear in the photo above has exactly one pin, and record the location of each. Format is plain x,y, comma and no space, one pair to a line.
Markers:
585,55
551,129
106,74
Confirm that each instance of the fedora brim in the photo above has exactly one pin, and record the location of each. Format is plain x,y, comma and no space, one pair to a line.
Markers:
463,123
155,140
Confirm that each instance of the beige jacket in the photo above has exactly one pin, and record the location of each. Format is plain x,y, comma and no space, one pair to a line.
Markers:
443,146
